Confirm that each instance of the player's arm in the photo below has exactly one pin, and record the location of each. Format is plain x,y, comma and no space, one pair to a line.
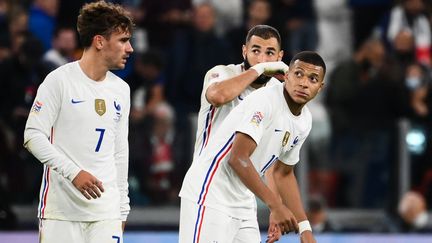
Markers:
38,133
286,183
243,146
121,155
222,92
273,232
38,130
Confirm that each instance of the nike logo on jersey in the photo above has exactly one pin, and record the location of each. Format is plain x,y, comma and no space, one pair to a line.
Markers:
76,101
240,98
278,130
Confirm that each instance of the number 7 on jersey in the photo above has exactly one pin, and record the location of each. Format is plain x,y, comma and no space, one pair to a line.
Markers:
101,135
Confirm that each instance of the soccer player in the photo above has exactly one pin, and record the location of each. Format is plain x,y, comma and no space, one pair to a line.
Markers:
226,86
78,129
266,129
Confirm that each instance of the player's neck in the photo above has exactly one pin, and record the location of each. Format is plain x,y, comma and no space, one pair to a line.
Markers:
92,65
294,107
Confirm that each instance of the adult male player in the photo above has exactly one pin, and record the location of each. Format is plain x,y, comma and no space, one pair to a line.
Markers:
78,129
226,86
267,129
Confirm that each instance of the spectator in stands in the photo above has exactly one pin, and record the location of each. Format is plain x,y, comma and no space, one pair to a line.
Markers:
8,219
412,210
163,18
298,19
407,21
317,215
228,14
365,98
194,52
21,75
42,20
418,85
152,121
160,182
258,12
147,83
17,28
63,49
366,14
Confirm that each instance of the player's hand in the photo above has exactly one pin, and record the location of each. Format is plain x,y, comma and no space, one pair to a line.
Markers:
307,237
271,68
88,185
273,233
285,219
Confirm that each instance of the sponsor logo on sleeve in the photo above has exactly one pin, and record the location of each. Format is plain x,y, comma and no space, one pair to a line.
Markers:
37,106
257,118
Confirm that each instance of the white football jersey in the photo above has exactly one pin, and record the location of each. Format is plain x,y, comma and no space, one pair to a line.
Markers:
265,116
209,116
80,124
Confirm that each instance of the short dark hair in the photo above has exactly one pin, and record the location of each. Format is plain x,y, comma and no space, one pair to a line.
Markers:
309,57
102,18
264,31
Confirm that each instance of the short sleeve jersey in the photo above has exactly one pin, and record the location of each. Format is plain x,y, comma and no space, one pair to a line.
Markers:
209,116
265,116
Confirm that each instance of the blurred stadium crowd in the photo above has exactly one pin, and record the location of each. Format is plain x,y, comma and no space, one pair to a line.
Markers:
378,54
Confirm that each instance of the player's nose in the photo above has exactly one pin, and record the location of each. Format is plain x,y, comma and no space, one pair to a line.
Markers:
129,48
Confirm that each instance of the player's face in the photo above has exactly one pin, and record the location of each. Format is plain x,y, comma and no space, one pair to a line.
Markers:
304,81
259,50
117,50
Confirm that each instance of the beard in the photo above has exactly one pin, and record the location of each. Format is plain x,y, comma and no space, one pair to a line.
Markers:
262,79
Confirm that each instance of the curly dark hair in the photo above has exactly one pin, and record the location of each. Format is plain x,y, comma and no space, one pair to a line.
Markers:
102,18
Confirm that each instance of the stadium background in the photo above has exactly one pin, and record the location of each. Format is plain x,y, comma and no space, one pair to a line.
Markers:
370,142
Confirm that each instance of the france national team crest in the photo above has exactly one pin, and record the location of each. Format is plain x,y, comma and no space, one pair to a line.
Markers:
117,107
285,139
257,118
100,107
295,142
37,106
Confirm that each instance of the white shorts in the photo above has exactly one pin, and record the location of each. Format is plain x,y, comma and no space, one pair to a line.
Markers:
55,231
204,224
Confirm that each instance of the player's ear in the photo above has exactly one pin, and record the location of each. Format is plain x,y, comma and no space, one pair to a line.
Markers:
98,41
244,51
321,86
280,55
